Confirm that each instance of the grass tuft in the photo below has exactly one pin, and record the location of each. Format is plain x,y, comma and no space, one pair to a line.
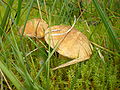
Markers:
27,62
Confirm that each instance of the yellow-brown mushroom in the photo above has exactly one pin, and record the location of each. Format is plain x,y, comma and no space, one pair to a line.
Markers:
72,44
34,28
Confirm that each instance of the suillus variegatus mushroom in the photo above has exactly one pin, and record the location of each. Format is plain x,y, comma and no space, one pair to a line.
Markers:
72,44
34,28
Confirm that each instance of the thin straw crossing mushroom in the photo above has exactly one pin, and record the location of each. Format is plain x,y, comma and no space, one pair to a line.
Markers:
72,44
34,28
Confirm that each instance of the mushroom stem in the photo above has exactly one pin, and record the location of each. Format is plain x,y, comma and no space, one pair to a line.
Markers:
72,62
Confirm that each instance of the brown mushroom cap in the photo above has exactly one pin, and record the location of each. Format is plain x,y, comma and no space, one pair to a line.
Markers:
34,28
73,44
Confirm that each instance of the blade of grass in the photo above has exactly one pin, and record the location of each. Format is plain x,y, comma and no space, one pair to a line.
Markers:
39,9
6,15
27,16
105,49
3,76
11,76
107,25
18,11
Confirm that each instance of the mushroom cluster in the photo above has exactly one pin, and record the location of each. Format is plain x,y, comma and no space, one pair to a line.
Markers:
72,44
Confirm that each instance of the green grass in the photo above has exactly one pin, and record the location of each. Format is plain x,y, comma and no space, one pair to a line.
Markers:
99,21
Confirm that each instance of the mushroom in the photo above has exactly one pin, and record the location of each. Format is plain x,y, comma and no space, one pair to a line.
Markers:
72,44
34,28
